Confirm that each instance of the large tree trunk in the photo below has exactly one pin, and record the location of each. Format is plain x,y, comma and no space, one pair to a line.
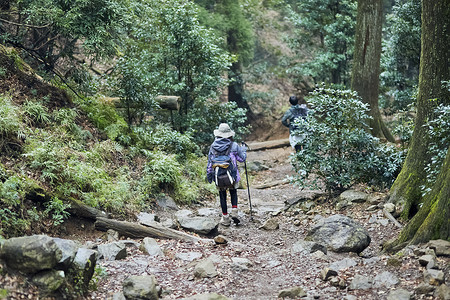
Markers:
434,68
236,86
366,63
433,219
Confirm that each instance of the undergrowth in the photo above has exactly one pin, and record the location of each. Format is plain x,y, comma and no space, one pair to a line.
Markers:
106,165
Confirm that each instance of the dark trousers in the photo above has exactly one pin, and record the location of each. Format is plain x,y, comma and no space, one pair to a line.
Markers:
223,199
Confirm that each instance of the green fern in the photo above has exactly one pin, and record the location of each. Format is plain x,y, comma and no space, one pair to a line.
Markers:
37,112
10,120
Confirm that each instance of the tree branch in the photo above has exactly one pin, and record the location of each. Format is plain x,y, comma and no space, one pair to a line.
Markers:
25,25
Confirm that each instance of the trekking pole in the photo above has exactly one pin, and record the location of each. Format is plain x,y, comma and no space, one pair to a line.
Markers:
248,186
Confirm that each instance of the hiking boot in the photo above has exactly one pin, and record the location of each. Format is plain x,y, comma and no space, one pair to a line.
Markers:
225,221
234,216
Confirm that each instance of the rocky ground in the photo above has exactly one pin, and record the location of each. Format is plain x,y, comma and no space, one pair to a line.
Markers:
260,258
258,263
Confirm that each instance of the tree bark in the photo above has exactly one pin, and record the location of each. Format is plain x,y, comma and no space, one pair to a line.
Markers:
434,68
272,144
169,102
432,221
366,63
236,86
80,209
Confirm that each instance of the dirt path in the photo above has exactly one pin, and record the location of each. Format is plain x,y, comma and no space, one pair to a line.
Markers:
274,264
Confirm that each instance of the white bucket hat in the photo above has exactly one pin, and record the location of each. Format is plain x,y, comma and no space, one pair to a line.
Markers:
224,131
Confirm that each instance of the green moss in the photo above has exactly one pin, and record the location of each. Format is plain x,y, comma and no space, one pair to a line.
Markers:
394,262
3,293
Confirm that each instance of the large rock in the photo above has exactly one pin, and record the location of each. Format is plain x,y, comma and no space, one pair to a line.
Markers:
113,251
442,292
441,247
340,234
360,282
141,288
270,224
166,202
201,225
146,219
433,277
205,269
343,264
353,196
386,279
188,256
68,249
294,293
399,294
151,247
49,280
308,247
241,263
82,268
31,254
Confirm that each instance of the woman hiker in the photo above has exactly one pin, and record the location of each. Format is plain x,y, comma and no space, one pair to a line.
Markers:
223,145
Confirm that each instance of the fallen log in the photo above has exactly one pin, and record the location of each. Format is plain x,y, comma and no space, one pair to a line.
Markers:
268,145
271,184
37,194
134,230
169,102
80,209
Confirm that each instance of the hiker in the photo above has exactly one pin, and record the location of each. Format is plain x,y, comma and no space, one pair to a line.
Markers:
289,116
224,145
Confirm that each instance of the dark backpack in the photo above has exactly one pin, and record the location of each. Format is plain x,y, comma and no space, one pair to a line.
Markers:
296,113
223,168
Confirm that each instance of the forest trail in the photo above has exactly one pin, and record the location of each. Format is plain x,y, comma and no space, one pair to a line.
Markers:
257,263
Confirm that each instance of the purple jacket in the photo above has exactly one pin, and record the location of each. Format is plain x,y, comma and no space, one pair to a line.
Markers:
238,153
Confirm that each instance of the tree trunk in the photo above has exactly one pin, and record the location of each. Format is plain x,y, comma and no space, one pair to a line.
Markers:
236,86
434,68
169,102
366,63
272,144
433,219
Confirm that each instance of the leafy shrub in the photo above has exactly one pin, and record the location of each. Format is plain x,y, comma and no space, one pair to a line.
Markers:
47,152
11,124
57,210
13,220
105,117
163,138
403,127
66,118
204,118
105,151
164,170
439,131
12,191
184,180
11,224
338,149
